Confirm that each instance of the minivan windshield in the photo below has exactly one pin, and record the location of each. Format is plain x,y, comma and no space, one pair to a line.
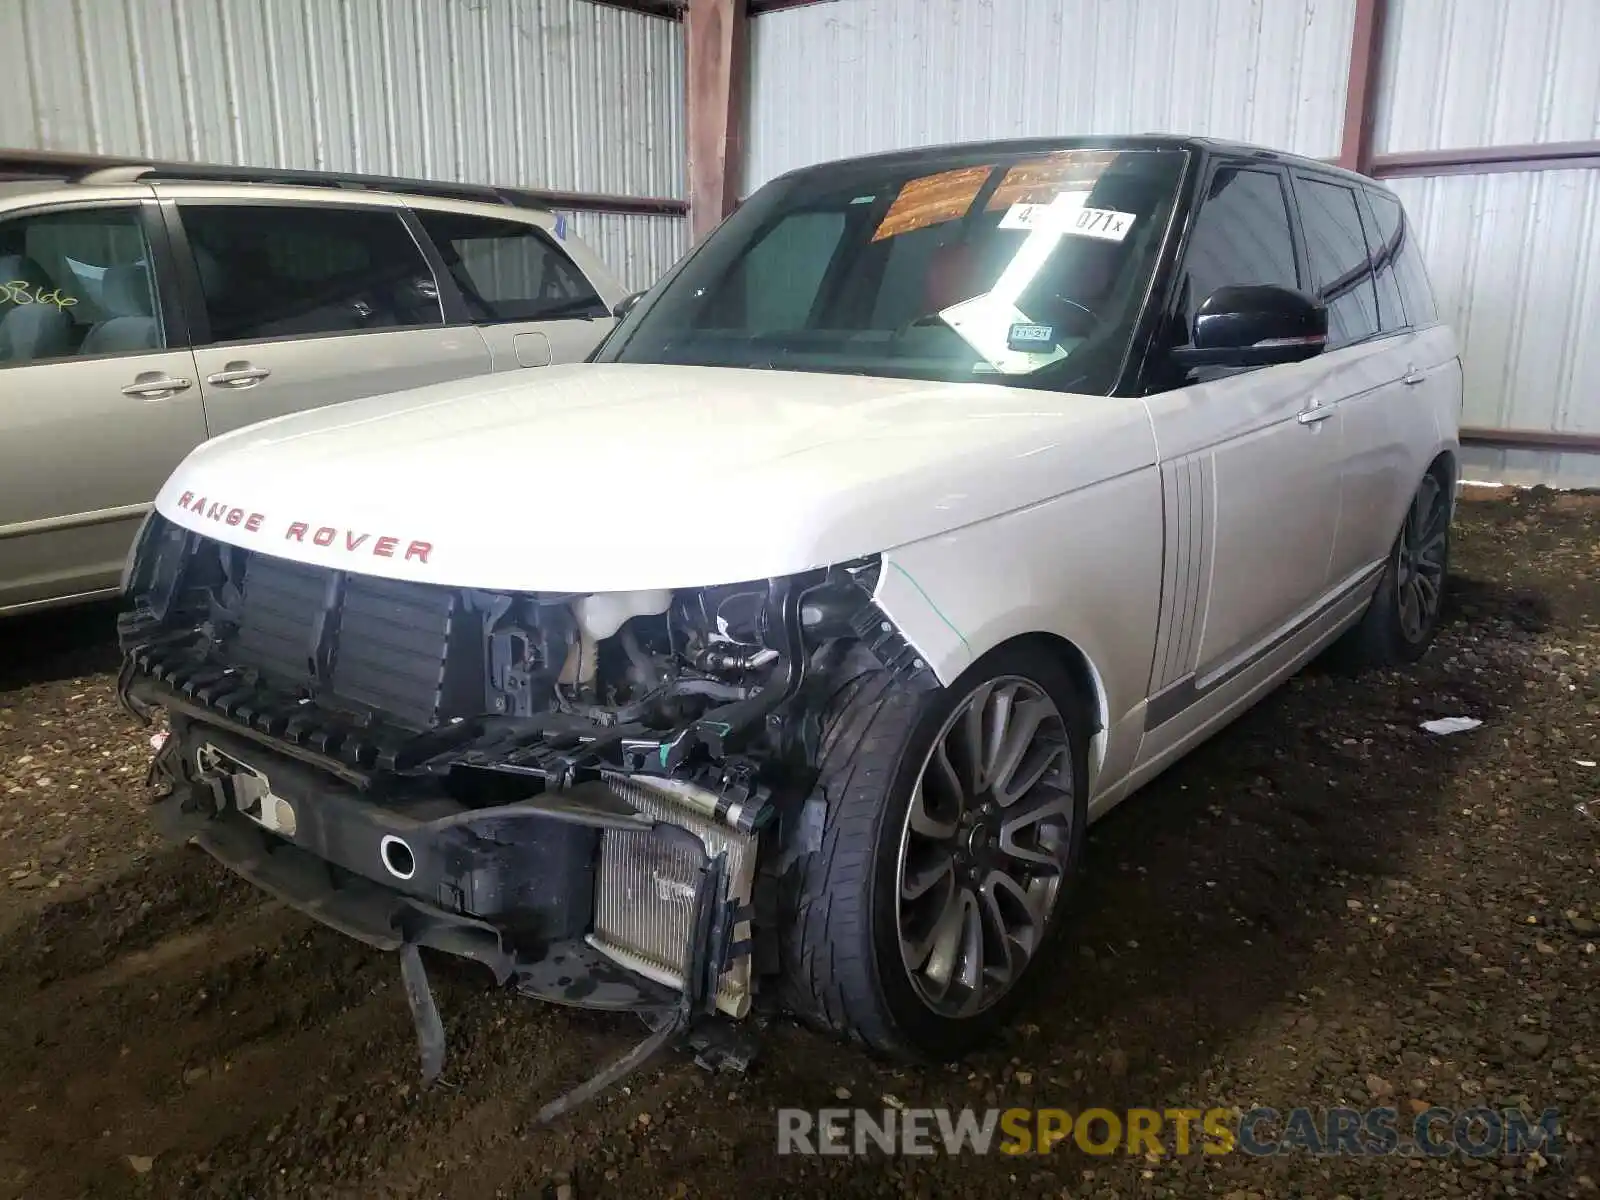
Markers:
1027,269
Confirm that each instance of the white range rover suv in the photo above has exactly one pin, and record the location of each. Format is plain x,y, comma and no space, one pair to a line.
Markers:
783,653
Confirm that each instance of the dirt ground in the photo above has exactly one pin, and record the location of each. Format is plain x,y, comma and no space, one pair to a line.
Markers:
1324,906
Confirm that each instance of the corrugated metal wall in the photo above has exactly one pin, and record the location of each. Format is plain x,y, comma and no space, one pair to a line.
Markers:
559,94
1470,73
919,72
638,249
1515,257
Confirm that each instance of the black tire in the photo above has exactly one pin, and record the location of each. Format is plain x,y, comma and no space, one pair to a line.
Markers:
841,955
1381,637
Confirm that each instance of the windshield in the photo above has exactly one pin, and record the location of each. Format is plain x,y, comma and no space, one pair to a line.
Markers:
1019,269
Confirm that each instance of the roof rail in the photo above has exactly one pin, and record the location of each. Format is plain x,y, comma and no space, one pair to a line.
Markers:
106,169
213,173
54,164
103,168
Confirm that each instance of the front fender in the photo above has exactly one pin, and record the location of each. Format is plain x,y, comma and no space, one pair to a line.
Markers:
1085,567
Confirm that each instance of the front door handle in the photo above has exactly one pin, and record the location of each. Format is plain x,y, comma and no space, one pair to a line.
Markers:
1317,412
1412,377
155,385
238,375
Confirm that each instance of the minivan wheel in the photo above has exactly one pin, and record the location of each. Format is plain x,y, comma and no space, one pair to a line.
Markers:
952,828
1403,617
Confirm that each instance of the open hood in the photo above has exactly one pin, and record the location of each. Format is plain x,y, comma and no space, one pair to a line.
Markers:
589,477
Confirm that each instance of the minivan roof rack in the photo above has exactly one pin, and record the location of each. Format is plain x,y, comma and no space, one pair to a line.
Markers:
97,168
109,168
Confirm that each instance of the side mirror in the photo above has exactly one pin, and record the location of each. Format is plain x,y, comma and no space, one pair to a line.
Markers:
625,306
1255,325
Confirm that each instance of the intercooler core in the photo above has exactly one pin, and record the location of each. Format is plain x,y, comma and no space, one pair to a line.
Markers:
644,893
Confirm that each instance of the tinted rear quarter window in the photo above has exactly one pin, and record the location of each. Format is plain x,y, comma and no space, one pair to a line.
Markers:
1397,243
1391,311
297,270
1340,261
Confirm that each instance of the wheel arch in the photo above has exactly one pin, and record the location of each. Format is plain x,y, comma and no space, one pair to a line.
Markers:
1079,667
1077,664
1448,467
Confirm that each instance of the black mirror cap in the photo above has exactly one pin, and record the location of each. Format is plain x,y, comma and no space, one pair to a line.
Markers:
1255,325
624,306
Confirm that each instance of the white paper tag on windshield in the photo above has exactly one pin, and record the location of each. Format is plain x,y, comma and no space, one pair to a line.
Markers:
1031,217
1105,223
1071,217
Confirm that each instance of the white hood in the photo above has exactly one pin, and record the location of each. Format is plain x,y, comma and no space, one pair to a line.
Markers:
587,478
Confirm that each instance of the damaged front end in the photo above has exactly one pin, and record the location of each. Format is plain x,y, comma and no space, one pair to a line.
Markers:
580,792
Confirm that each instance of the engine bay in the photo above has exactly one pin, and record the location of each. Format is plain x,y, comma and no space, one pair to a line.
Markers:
369,676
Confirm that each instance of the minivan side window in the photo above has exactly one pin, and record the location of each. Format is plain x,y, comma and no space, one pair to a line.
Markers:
270,271
509,271
1397,243
1340,261
1240,236
77,282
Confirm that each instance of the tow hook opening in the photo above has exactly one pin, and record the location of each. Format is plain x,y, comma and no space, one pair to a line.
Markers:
397,857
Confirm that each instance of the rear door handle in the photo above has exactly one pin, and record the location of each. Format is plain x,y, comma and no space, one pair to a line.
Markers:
153,385
1412,377
1317,412
238,375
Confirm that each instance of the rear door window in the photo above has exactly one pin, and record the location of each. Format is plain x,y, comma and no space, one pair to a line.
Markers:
1341,264
77,282
1397,245
509,271
270,271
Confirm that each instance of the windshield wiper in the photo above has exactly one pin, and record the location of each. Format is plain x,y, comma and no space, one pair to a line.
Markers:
926,319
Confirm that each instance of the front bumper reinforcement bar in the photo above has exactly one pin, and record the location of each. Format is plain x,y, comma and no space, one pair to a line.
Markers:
567,972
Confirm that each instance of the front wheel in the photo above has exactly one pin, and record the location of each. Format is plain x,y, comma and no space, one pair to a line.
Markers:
952,828
1403,617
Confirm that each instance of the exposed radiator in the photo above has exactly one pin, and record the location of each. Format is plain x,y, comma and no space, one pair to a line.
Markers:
644,891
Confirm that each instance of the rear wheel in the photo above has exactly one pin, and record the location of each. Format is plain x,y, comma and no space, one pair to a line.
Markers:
1403,617
951,830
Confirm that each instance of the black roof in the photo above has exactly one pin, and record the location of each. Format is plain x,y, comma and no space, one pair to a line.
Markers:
965,151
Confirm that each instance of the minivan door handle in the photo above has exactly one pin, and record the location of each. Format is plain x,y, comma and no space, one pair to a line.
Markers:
155,385
1317,412
1412,377
238,375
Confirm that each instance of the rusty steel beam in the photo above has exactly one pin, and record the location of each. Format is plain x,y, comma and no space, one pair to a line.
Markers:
1361,92
718,37
1532,439
1488,160
599,202
761,8
669,10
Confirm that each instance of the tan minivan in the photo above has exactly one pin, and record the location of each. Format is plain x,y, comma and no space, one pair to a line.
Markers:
144,309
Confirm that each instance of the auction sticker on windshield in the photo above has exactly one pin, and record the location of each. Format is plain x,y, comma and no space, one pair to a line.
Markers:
1068,214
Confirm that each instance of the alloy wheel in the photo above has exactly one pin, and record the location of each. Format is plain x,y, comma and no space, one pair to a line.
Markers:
985,846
